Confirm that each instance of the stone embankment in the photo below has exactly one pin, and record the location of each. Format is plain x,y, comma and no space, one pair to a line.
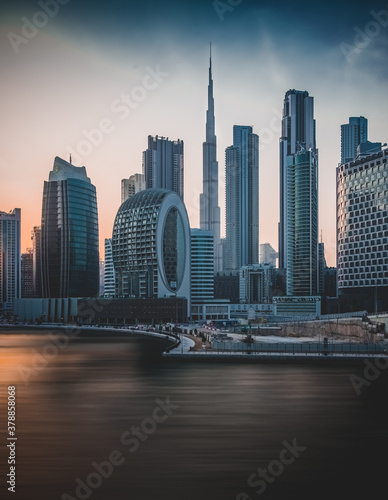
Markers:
352,328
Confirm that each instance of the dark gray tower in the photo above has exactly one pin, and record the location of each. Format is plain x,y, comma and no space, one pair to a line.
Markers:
209,209
163,164
69,234
242,199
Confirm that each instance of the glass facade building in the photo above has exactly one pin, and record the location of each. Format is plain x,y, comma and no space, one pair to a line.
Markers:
298,226
27,266
69,234
151,246
302,225
37,261
362,233
163,164
353,134
242,199
10,259
202,265
109,270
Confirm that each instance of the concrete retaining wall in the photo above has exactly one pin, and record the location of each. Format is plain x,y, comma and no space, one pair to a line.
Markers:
349,327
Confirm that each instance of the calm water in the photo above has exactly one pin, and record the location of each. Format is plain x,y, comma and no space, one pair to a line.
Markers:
231,420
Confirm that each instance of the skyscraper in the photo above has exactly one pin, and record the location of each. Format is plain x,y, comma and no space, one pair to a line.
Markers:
298,226
131,186
353,134
109,271
36,261
210,219
163,164
102,278
69,241
10,260
202,265
242,199
362,233
26,271
321,268
151,246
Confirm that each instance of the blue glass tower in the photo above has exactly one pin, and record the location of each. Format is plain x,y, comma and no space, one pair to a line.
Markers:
353,134
69,234
298,226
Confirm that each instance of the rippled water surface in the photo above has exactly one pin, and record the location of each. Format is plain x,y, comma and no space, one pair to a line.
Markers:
232,419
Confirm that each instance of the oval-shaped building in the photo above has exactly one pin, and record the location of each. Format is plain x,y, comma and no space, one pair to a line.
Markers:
151,246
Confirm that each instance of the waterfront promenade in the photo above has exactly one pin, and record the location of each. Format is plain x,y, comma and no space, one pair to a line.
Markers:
276,349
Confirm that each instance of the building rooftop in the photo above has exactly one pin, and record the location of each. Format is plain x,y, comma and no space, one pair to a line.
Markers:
62,170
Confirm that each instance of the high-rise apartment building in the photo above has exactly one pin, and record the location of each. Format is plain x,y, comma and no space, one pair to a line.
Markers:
131,186
362,233
27,282
36,261
102,278
242,199
69,238
151,246
321,268
163,164
210,218
10,259
353,134
109,271
298,226
202,265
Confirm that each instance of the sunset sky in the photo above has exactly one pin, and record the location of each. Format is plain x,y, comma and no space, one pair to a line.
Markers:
69,76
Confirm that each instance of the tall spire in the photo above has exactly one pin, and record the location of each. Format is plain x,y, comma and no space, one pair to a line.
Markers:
210,119
209,209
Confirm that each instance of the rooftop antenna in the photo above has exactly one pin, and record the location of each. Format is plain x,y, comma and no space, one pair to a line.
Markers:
321,237
70,159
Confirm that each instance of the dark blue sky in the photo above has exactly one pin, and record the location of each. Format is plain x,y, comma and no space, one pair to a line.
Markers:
328,21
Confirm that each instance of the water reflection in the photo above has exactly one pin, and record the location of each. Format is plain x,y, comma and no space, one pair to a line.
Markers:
232,419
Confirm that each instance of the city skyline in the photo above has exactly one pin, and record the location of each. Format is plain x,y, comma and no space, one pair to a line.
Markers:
193,284
80,78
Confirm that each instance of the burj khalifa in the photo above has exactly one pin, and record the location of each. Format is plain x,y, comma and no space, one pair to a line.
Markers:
209,209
